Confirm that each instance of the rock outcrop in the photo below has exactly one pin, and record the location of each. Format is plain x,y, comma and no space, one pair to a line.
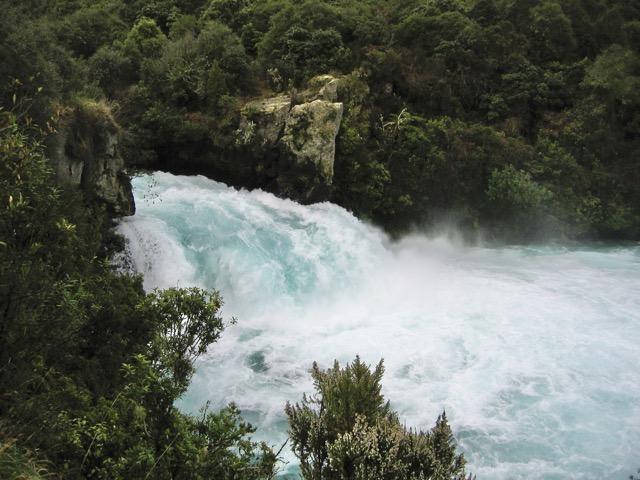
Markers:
283,144
292,140
85,152
307,151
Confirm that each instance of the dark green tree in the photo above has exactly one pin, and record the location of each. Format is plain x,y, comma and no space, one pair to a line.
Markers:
552,33
520,204
187,322
90,366
87,29
348,431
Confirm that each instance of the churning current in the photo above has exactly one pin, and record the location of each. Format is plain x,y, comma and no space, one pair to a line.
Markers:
532,351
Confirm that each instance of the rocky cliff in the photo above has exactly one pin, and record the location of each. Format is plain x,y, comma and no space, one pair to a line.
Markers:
291,140
85,152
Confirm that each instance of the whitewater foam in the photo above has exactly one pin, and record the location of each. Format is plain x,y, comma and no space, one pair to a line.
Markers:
531,351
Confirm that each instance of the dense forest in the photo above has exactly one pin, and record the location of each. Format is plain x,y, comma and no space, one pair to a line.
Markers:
516,118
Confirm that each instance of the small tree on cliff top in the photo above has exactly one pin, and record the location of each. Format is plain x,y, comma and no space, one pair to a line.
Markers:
348,431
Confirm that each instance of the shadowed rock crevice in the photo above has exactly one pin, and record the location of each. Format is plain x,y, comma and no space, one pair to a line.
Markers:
85,151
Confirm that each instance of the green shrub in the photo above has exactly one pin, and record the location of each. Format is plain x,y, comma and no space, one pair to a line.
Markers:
348,431
519,204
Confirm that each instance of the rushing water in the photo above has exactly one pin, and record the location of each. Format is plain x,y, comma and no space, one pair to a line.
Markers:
534,352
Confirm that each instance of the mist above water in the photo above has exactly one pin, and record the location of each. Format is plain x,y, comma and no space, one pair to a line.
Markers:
533,352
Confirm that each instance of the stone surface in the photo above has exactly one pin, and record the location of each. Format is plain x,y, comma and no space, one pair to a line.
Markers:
293,142
307,151
85,152
268,117
283,144
322,87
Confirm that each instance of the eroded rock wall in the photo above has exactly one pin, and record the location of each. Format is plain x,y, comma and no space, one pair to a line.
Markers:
292,139
85,152
307,151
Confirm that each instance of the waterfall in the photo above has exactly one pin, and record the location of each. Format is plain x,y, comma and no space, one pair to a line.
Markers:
532,351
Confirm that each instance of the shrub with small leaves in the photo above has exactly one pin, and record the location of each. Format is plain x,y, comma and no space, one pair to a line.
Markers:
348,432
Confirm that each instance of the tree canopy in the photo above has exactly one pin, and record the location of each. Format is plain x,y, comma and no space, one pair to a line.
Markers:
90,365
523,73
347,431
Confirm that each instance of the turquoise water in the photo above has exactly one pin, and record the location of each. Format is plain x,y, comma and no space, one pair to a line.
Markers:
533,352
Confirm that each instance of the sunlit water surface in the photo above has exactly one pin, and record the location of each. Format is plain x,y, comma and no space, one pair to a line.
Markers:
532,351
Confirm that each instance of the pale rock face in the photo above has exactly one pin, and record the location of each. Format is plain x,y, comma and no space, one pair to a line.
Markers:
107,180
322,87
310,134
268,116
294,142
308,149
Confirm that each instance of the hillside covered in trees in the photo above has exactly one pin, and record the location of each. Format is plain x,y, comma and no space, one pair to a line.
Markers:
513,117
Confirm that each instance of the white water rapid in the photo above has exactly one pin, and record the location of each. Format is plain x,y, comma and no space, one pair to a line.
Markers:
534,352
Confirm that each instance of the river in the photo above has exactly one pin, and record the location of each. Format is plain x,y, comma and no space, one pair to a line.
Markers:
534,352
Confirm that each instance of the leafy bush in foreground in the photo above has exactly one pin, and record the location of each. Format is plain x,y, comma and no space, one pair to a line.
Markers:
90,365
347,431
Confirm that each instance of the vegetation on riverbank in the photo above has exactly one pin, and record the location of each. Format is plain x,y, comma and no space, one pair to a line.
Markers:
515,117
90,364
